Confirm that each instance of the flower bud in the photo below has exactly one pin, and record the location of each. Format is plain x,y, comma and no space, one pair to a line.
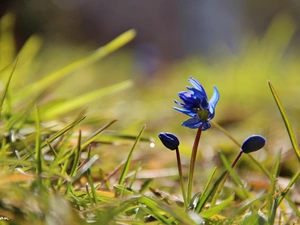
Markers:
253,143
169,140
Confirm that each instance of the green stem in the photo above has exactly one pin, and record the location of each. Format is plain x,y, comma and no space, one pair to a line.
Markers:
181,178
192,164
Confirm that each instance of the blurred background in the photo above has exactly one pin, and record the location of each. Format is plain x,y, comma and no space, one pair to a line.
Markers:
167,30
236,45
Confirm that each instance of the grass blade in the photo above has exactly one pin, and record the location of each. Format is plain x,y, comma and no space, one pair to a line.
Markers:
213,211
59,133
225,132
286,121
273,201
87,141
273,211
77,156
93,188
250,203
287,188
38,149
134,175
233,174
42,84
84,99
293,205
208,194
205,187
126,166
86,167
75,163
4,93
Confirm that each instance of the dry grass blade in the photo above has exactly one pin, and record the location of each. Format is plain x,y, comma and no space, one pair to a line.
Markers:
16,177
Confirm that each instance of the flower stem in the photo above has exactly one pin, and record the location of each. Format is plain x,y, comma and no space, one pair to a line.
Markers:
237,159
192,164
181,178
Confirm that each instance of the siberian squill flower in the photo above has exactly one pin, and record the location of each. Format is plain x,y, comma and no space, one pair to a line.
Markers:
196,105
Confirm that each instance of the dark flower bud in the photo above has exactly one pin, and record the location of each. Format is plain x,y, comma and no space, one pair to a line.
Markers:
253,143
169,140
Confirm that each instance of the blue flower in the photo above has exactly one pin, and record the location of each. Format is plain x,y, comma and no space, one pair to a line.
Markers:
196,105
169,140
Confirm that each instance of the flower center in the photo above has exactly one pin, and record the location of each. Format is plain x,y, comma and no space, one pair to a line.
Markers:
203,114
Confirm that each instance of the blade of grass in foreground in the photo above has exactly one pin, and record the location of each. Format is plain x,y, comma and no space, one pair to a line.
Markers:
273,211
62,131
216,209
165,214
6,87
233,174
45,82
76,162
272,203
38,149
86,167
293,205
286,121
207,184
287,188
134,175
250,203
58,134
208,194
126,166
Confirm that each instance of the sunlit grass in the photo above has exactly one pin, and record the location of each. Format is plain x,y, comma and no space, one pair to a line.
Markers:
71,151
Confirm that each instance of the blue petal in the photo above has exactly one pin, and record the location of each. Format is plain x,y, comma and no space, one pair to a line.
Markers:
180,104
204,104
206,125
215,98
192,123
186,97
197,93
188,112
184,94
211,114
197,85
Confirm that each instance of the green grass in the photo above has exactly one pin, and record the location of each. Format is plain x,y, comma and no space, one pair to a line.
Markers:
76,154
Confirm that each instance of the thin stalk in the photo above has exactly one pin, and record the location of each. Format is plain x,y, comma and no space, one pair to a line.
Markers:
192,164
181,177
237,159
